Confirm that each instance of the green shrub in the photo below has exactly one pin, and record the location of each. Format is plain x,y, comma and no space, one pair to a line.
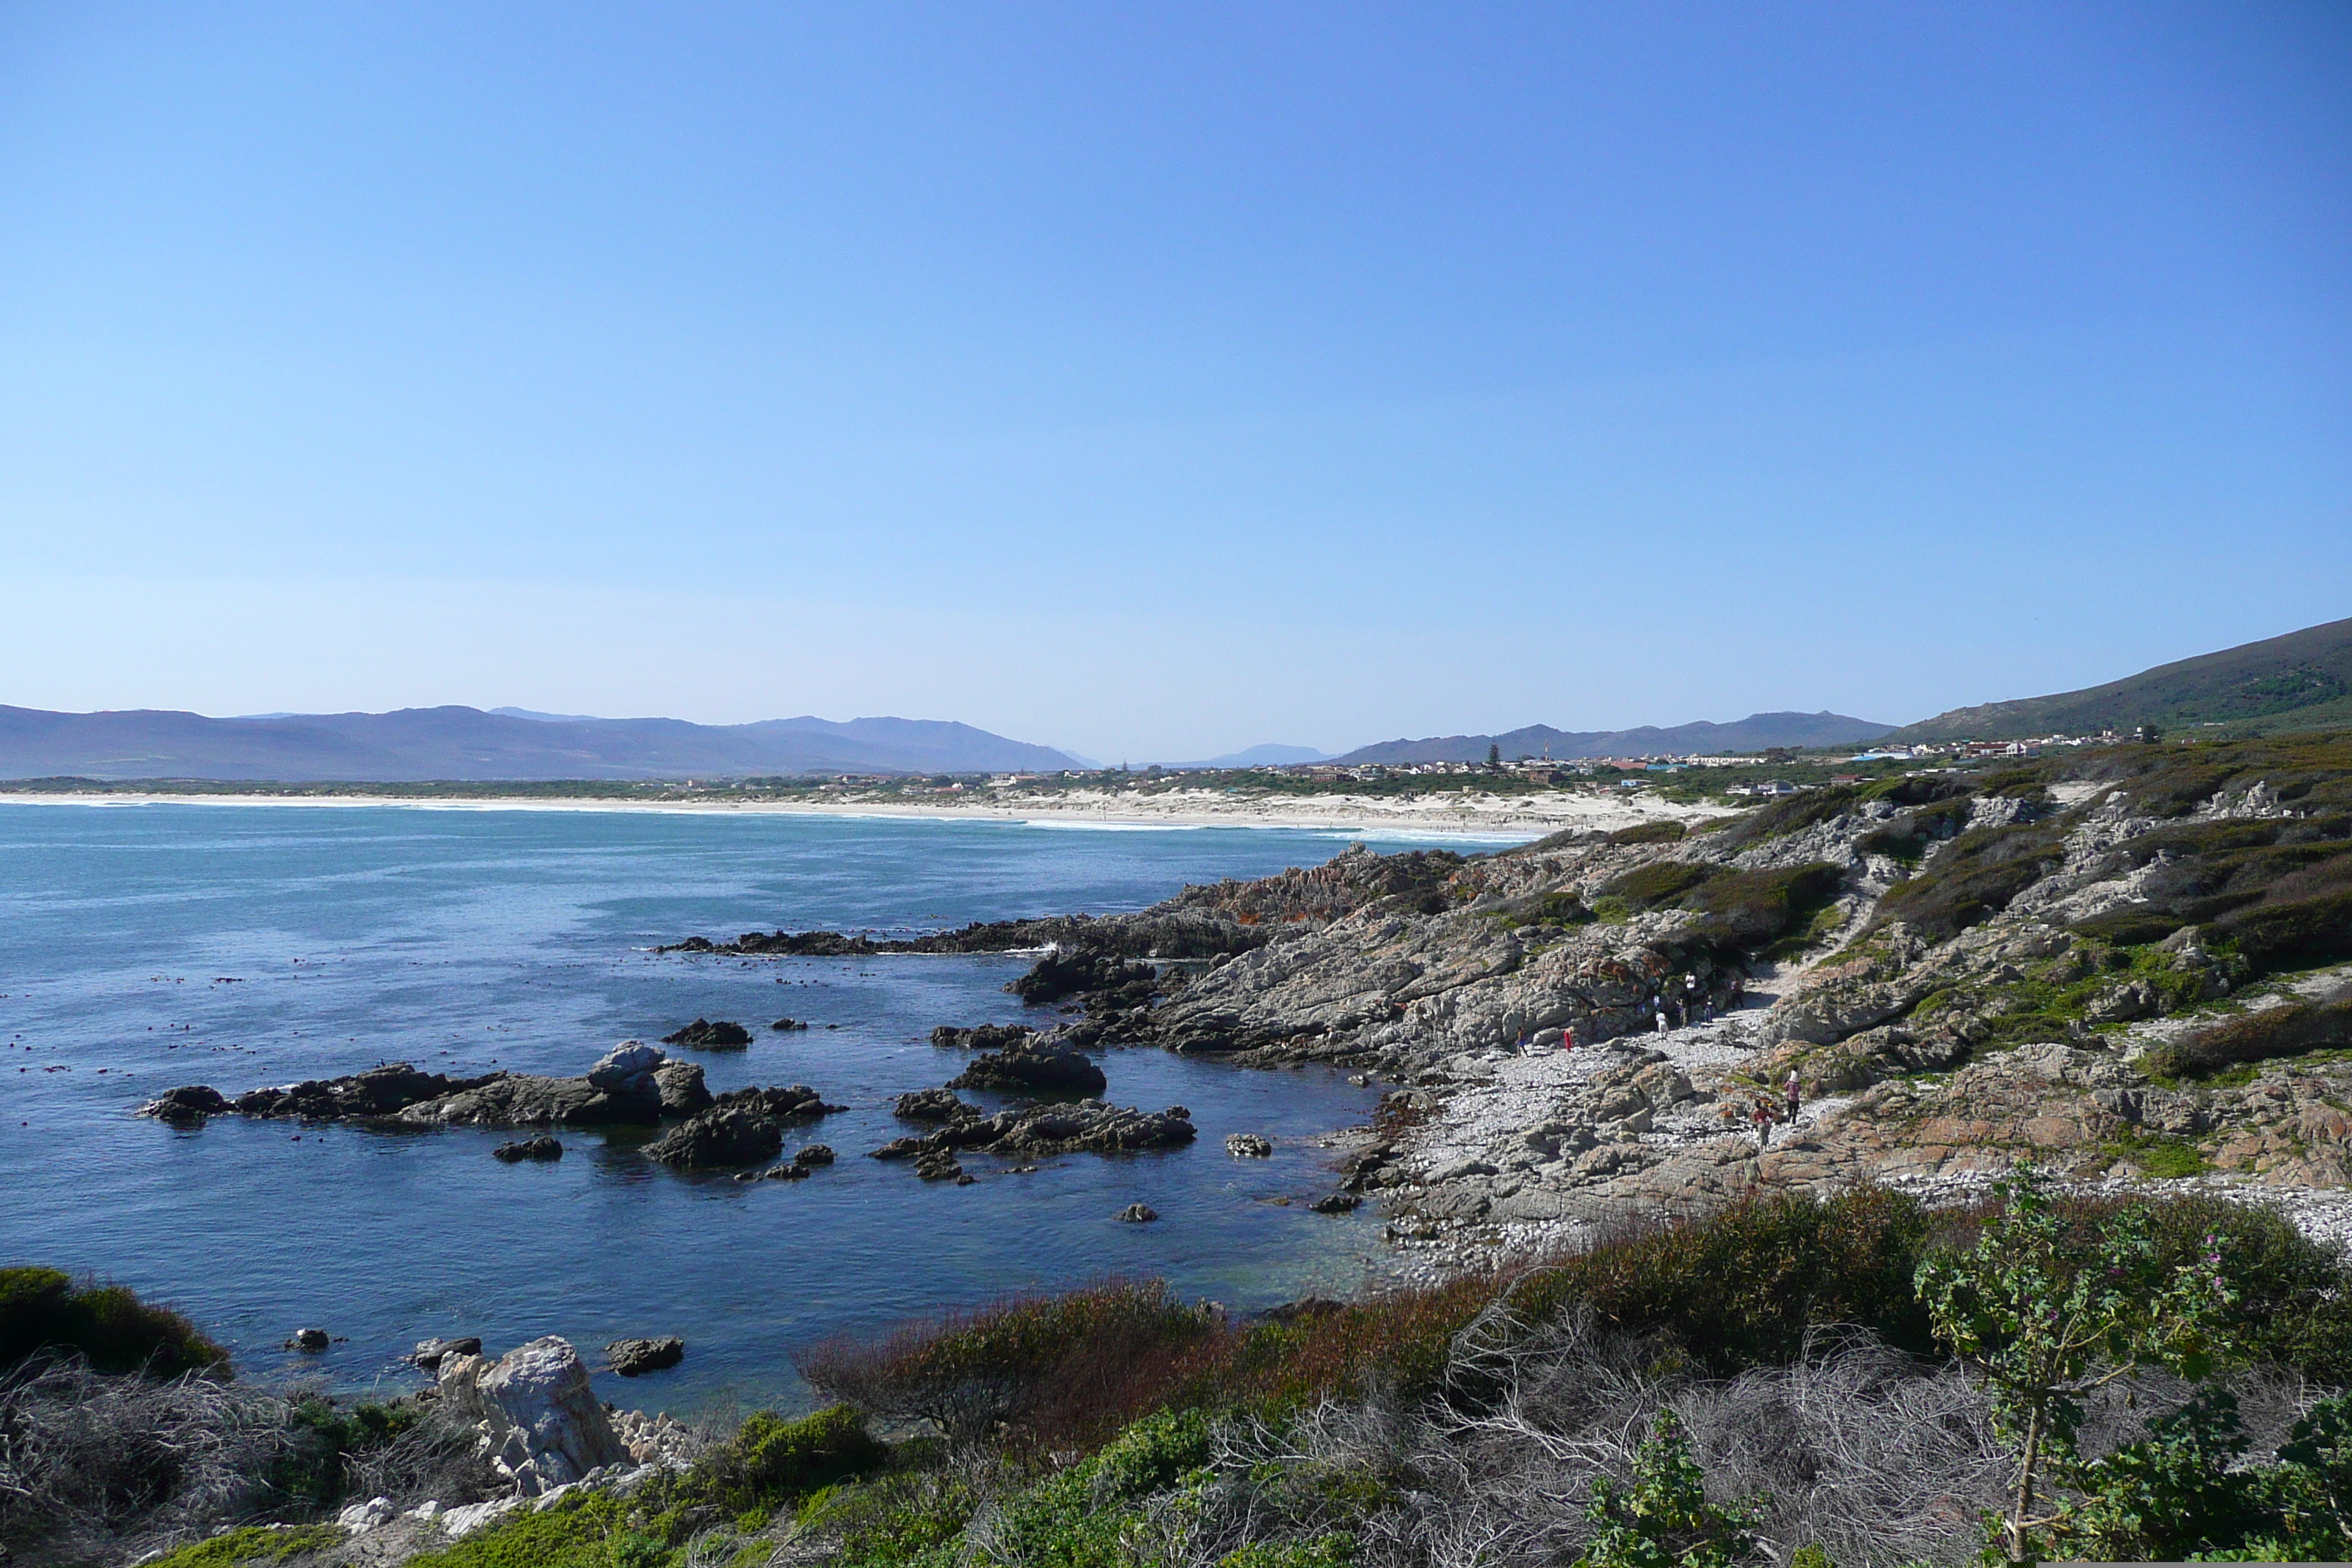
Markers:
770,1459
591,1531
1793,814
1974,880
1071,1368
234,1548
1741,1286
1660,883
1661,832
43,1310
1664,1517
2271,1033
311,1467
1740,910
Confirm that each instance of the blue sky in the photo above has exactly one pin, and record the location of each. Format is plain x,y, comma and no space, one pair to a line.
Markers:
1157,380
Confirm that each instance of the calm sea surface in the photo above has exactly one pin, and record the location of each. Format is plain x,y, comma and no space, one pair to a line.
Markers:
145,946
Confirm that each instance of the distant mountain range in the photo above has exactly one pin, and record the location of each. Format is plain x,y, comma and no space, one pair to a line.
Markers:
1259,757
2299,681
1753,733
418,743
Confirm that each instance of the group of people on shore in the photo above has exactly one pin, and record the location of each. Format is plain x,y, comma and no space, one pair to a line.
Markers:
1679,1007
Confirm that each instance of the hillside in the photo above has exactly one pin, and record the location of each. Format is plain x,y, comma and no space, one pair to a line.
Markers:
2299,681
417,744
1753,733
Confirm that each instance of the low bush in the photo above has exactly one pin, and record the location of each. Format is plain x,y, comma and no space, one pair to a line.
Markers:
2256,1037
1974,880
1660,883
1747,908
1744,1285
770,1459
252,1545
1792,814
1661,832
44,1311
1067,1368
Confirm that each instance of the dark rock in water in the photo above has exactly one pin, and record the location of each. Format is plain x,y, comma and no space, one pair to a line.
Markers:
1085,1125
985,1037
782,1024
1043,1069
190,1102
797,1103
933,1105
1073,971
430,1353
938,1165
632,1357
702,1034
723,1135
522,1099
1137,1213
309,1342
1247,1146
1335,1203
775,1173
680,1087
813,1154
539,1148
379,1091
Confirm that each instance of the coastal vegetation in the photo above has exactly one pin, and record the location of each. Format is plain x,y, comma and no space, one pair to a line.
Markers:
1854,1378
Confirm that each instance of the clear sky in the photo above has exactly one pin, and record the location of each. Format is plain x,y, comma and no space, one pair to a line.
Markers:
1155,380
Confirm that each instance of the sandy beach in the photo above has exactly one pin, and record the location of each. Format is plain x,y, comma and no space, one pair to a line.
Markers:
1467,815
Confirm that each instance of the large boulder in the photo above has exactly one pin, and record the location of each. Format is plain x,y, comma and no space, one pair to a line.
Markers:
723,1135
628,1068
680,1087
792,1103
703,1035
541,1424
190,1102
1033,1068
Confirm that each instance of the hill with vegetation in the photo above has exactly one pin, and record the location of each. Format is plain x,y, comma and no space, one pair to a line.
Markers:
1756,732
2301,681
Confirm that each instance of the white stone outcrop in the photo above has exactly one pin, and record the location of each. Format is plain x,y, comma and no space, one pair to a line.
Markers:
540,1423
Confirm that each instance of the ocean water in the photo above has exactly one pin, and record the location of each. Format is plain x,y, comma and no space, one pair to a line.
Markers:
146,946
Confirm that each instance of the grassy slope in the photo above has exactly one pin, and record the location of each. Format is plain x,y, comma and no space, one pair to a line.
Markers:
2299,681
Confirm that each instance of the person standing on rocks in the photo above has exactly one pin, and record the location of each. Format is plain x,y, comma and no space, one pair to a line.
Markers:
1762,1118
1796,1094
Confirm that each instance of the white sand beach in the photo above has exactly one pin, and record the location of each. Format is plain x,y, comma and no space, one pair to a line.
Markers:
1469,815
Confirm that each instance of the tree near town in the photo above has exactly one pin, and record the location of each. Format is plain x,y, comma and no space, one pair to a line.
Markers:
2046,1309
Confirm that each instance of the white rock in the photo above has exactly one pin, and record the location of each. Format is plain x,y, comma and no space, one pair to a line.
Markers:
537,1413
626,1065
470,1517
367,1515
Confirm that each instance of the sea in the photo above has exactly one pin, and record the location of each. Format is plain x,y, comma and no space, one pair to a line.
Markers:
148,945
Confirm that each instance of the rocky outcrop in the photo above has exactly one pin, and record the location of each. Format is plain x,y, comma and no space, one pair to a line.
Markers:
679,1087
539,1422
523,1099
702,1034
380,1091
542,1148
1034,1067
1036,1130
190,1103
933,1105
1247,1146
635,1358
720,1137
984,1038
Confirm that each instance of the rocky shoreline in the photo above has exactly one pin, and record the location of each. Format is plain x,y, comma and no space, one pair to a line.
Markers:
2125,965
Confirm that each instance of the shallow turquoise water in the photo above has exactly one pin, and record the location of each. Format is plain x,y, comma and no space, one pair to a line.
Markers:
145,946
